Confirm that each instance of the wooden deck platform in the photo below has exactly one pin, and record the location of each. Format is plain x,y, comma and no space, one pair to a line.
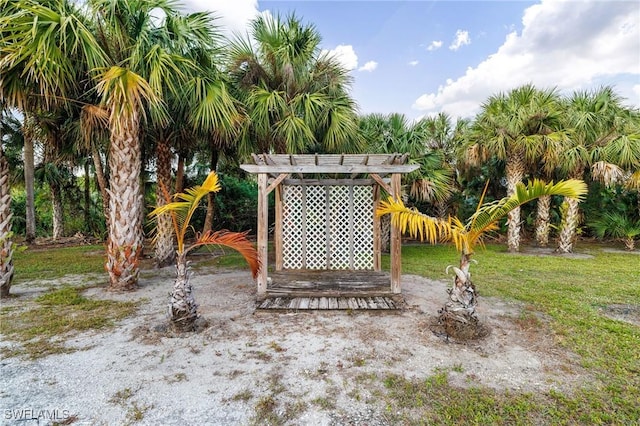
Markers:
330,303
329,290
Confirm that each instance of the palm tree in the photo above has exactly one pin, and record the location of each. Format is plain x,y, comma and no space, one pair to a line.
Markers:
617,225
296,98
514,127
458,314
201,109
594,122
183,307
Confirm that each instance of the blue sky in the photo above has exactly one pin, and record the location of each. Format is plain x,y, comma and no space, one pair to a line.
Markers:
423,57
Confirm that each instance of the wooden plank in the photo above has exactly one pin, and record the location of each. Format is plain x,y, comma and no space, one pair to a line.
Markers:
329,168
294,303
381,302
304,303
277,237
362,304
314,302
372,304
391,303
265,304
324,303
343,303
333,303
396,241
263,234
276,182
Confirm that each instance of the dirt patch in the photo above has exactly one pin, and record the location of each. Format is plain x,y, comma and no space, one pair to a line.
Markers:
622,312
302,367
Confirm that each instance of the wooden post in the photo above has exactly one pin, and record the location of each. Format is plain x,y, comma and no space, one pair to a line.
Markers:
263,233
396,267
277,238
377,261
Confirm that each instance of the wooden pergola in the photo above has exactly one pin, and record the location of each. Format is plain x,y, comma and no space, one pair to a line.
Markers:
326,229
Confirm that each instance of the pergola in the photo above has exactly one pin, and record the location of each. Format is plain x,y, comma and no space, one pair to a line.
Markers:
325,221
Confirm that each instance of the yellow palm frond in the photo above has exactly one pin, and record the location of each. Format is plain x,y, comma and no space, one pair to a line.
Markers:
414,223
182,210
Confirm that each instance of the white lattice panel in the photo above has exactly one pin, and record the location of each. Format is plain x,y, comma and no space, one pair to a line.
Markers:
322,229
339,227
363,227
316,227
292,228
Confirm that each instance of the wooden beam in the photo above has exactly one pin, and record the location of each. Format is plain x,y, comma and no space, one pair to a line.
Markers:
396,250
381,182
329,168
277,181
263,234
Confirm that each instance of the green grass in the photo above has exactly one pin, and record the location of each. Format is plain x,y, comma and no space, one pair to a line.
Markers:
41,327
40,264
570,291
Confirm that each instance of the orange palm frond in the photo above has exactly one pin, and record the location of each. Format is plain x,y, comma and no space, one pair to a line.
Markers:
234,240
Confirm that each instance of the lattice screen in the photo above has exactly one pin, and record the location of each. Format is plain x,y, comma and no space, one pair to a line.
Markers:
327,227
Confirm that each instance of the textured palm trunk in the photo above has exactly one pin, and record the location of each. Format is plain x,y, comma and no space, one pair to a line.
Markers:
385,233
30,213
629,243
87,199
58,212
165,253
458,315
125,239
211,197
514,171
543,220
102,183
568,230
6,241
182,306
570,221
442,209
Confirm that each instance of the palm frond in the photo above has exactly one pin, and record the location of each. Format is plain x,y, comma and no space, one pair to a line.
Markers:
235,240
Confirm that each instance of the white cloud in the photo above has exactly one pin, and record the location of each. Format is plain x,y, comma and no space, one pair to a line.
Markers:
462,39
568,45
234,15
369,66
435,45
414,63
345,54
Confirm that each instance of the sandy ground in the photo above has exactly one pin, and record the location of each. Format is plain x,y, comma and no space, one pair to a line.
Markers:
310,368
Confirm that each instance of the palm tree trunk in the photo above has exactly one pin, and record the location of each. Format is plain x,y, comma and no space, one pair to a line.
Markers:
87,198
6,241
442,209
124,244
458,315
568,230
182,306
180,173
29,169
58,212
514,171
385,233
543,220
211,197
570,220
102,183
165,253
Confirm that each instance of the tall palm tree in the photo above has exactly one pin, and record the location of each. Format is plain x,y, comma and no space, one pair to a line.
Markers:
458,314
296,97
201,109
513,128
594,120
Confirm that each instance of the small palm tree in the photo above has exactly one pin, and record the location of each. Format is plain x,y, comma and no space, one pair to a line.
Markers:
617,225
458,314
182,307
